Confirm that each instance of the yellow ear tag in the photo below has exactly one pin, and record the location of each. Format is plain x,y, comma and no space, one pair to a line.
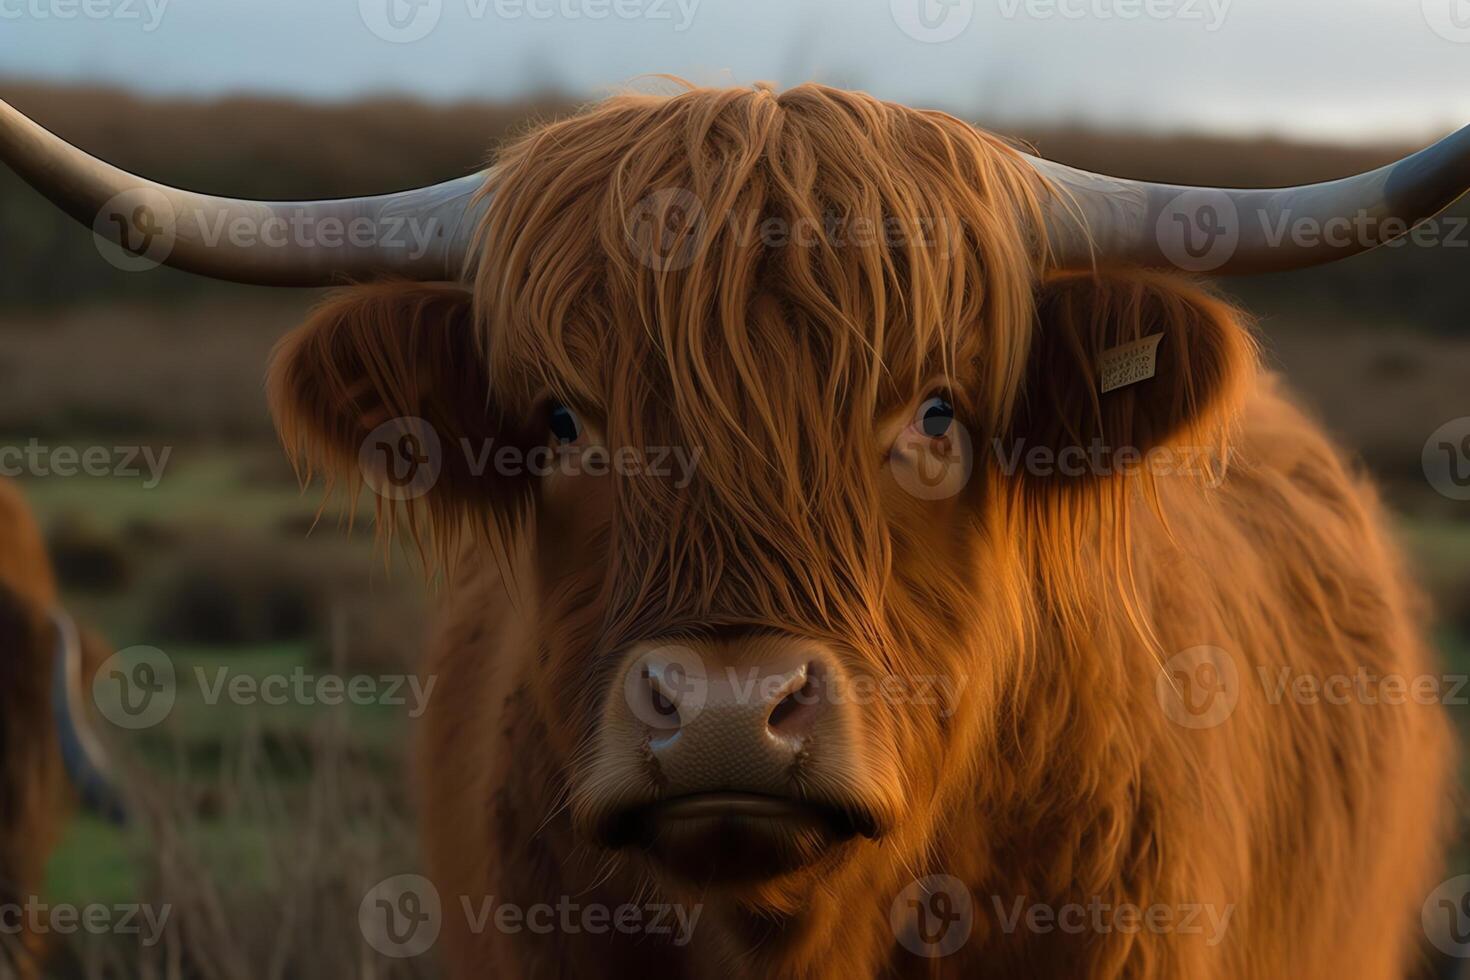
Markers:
1130,363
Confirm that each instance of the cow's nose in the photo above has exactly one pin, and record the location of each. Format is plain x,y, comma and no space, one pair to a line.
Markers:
731,720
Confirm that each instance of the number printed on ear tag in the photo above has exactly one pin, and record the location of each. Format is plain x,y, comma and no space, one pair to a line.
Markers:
1130,363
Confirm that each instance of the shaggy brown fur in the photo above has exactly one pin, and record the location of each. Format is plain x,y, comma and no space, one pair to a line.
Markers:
33,785
1055,774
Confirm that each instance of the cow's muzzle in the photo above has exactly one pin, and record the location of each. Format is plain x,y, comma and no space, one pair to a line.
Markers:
747,752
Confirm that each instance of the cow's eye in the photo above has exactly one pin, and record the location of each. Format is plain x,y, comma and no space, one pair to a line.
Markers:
935,417
565,427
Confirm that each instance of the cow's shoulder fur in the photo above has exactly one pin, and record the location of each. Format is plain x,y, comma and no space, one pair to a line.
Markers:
32,782
1287,803
24,567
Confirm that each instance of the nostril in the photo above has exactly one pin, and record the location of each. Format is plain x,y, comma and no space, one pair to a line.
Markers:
794,713
655,701
782,714
662,705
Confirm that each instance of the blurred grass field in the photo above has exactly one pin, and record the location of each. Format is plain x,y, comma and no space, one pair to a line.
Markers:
263,824
215,537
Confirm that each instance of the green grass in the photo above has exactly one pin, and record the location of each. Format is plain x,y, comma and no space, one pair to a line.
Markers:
1440,548
205,711
94,863
197,485
1456,649
98,862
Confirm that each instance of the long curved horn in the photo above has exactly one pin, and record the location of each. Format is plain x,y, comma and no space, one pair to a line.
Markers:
422,234
82,755
1096,220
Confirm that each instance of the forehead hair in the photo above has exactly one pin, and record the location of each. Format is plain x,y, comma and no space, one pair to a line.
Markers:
756,275
722,229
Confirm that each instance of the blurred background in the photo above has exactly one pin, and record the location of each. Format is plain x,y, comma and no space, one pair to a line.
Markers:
264,825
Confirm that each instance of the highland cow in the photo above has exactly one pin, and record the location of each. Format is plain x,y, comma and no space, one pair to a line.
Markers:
42,657
972,613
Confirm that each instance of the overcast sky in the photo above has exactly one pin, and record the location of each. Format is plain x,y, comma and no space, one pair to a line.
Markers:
1332,69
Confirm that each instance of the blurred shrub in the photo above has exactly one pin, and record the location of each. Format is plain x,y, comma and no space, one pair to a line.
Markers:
223,588
153,375
378,630
1453,604
268,470
296,526
87,558
259,878
142,532
233,591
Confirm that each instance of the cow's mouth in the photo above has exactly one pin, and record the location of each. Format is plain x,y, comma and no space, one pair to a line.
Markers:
737,836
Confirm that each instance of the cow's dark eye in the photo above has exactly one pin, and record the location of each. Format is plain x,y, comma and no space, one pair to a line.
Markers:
935,417
565,427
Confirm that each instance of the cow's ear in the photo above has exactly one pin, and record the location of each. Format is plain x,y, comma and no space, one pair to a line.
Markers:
1126,369
385,385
